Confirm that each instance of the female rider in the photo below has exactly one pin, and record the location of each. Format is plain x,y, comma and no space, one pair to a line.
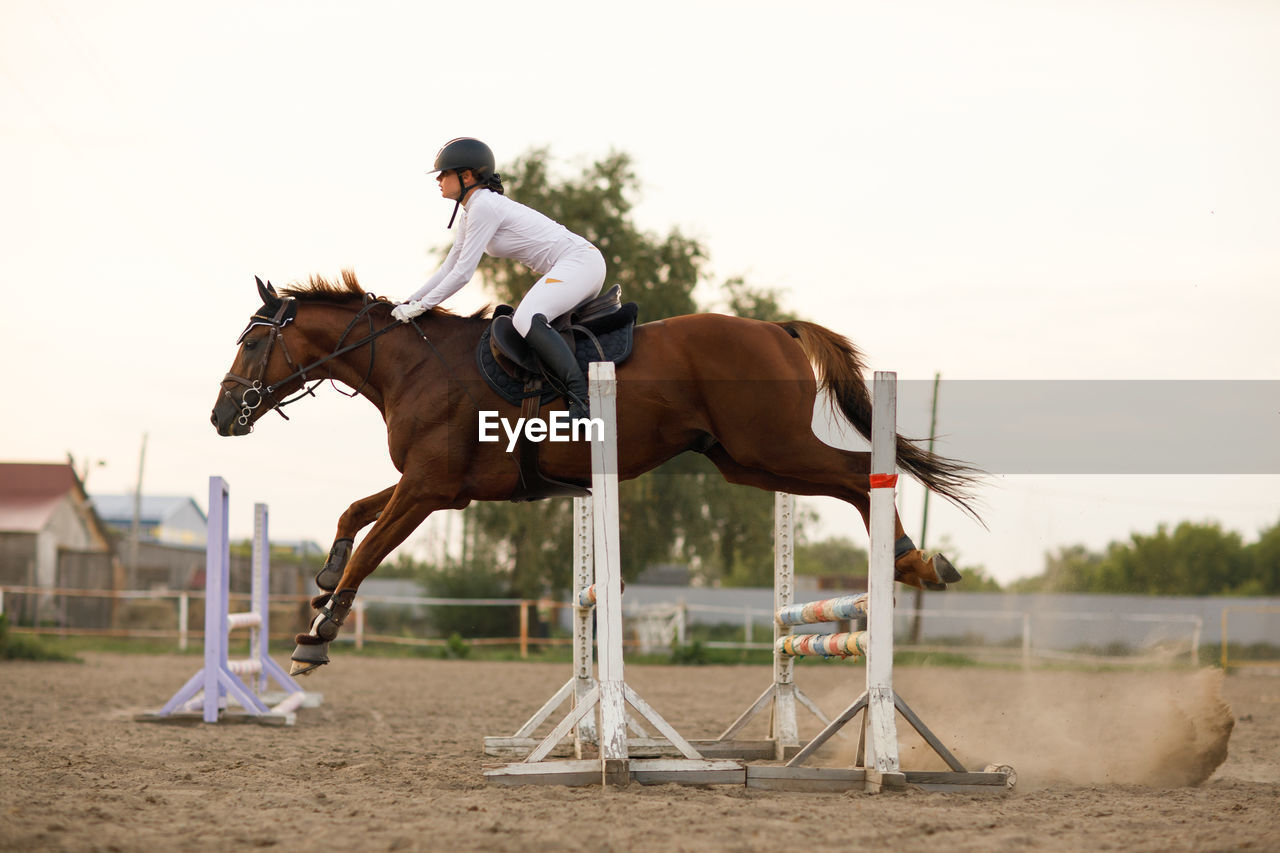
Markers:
572,270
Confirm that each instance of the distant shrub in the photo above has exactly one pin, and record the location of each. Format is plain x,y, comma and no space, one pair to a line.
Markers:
26,648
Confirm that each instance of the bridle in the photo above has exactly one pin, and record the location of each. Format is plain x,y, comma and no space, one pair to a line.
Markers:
283,316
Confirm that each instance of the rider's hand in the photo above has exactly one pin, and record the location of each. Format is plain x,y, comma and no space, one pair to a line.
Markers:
406,311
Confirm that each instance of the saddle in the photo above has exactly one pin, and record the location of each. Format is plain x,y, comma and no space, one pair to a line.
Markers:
600,329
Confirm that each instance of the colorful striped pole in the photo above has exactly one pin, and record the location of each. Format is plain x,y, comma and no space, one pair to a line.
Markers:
827,610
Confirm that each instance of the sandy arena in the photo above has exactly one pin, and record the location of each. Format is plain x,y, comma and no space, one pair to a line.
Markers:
393,761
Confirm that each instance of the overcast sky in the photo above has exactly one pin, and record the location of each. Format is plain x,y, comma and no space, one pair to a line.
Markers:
990,190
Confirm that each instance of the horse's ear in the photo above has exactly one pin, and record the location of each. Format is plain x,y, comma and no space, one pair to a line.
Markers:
266,292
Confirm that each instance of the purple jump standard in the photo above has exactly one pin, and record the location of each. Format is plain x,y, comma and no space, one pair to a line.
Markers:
219,680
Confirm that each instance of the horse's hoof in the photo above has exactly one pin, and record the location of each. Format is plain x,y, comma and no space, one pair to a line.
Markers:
947,573
308,656
296,668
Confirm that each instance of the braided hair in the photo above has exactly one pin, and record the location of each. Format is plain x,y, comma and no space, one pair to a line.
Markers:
493,182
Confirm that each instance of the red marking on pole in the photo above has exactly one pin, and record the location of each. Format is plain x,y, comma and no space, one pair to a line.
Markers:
884,481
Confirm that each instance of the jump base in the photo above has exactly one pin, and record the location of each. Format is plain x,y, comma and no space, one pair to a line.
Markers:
746,750
832,780
644,771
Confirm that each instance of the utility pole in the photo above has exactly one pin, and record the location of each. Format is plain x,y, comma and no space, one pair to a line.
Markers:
83,473
137,513
924,520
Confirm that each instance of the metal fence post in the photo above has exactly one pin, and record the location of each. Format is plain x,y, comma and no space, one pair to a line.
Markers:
1026,640
359,624
524,630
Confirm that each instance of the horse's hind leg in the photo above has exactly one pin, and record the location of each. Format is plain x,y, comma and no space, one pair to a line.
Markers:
358,516
847,478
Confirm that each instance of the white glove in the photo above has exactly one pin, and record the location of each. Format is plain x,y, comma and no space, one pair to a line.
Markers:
406,311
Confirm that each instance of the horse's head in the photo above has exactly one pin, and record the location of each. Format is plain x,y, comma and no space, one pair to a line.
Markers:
263,372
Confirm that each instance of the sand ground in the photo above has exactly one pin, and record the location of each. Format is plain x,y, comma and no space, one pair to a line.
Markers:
392,761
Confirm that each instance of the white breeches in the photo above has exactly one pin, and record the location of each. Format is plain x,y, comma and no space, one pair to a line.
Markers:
573,280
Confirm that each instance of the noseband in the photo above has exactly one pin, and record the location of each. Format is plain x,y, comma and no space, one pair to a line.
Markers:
262,392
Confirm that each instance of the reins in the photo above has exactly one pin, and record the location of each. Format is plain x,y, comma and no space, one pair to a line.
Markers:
301,372
277,324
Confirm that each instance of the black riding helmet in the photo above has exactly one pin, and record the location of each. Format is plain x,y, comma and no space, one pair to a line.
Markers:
464,153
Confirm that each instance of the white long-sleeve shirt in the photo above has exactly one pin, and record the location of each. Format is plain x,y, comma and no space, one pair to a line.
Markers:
494,224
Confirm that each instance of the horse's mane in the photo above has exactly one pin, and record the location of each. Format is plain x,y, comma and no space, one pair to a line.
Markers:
320,289
348,292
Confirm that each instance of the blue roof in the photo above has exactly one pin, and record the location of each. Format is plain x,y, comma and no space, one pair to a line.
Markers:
154,509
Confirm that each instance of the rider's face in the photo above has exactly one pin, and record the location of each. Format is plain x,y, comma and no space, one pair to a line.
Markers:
450,186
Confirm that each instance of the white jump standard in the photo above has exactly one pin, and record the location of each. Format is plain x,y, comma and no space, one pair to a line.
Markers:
610,696
876,766
205,696
641,741
782,696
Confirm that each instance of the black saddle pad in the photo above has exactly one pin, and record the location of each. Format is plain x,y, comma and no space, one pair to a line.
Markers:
616,345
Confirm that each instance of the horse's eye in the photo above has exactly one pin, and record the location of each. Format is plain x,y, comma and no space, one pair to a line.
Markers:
250,344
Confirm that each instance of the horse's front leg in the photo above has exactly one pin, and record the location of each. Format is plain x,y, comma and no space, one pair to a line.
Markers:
358,516
406,509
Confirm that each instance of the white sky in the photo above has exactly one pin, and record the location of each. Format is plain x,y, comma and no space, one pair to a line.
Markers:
1033,190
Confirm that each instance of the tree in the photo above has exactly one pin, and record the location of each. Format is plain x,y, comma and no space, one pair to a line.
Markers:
1264,558
835,556
1192,559
684,511
1071,569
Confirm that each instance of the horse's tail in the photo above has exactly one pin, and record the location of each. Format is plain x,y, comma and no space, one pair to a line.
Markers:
839,368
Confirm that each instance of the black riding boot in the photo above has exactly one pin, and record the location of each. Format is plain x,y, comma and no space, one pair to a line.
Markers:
561,364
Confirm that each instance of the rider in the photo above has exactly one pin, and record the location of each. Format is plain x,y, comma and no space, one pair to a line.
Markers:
572,269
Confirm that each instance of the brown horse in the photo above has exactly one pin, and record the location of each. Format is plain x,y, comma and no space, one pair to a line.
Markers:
741,391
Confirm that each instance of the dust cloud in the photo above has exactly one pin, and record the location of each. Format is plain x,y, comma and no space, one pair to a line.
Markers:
1164,729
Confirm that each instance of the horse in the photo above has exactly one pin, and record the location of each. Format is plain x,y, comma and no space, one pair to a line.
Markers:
738,390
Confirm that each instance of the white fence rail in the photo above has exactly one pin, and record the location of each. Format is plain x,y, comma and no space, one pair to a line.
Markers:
1189,630
656,625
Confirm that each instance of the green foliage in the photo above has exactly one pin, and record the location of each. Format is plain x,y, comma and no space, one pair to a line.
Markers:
281,555
1264,564
26,648
693,654
836,556
1192,559
757,303
658,271
456,648
976,579
476,579
403,567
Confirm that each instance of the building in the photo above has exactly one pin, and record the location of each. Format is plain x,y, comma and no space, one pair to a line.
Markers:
49,533
51,538
161,520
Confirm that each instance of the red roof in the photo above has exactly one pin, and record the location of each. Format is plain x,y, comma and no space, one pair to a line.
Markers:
31,491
